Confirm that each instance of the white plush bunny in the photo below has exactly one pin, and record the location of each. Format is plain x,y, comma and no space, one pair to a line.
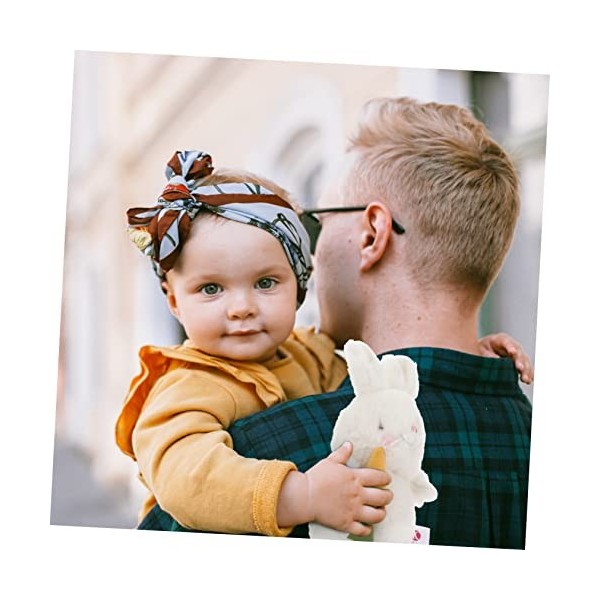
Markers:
384,414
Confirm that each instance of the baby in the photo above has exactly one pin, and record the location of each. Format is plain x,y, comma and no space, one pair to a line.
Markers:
234,261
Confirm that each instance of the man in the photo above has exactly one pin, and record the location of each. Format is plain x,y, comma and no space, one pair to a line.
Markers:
431,204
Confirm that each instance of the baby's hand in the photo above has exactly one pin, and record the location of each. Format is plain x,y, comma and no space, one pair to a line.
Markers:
501,344
347,499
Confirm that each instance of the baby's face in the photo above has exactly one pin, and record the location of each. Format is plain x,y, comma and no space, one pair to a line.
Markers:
233,290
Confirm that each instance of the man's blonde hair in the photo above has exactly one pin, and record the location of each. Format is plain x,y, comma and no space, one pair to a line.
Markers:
452,187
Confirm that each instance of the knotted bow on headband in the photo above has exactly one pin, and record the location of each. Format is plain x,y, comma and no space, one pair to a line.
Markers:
160,231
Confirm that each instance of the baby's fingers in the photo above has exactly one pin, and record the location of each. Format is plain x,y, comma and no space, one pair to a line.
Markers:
525,368
377,497
369,515
373,477
522,363
359,529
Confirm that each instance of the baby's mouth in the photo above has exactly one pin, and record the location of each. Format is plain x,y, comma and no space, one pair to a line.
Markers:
244,332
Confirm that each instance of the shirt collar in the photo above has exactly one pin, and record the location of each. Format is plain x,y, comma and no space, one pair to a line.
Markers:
462,372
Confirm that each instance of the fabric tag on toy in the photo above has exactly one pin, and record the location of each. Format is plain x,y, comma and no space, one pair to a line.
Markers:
421,535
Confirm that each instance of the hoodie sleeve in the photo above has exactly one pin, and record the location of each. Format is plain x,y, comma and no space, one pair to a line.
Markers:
186,458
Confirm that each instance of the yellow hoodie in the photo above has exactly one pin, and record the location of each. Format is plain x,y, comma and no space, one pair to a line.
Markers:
174,424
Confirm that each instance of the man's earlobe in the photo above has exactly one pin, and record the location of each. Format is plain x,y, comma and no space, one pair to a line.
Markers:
375,236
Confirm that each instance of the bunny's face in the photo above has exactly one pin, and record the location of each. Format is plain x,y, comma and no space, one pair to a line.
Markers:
384,411
401,432
388,418
398,421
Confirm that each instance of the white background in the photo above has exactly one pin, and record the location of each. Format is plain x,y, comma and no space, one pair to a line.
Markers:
38,41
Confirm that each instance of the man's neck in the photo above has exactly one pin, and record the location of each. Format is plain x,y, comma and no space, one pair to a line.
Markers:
411,320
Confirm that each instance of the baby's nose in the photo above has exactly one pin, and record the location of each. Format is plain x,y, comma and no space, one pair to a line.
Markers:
241,306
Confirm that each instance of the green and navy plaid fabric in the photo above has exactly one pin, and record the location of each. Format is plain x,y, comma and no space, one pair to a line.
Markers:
478,425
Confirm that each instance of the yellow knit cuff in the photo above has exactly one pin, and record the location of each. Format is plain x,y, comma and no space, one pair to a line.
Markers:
266,497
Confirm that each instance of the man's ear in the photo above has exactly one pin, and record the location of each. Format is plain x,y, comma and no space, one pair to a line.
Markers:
171,299
375,234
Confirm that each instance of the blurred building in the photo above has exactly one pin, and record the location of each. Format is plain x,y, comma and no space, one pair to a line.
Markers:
287,121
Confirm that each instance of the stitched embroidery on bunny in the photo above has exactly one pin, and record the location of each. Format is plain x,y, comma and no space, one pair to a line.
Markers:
384,415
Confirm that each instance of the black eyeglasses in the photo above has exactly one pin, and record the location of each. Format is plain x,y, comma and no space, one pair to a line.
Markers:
313,225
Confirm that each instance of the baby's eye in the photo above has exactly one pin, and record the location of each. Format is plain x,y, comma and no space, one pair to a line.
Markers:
266,283
210,289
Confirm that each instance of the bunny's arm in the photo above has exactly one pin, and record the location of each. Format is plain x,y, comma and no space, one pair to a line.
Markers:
422,489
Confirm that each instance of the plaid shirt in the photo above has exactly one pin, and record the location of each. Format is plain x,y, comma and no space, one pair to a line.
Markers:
478,425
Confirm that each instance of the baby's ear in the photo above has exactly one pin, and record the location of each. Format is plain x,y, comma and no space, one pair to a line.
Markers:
400,373
171,299
364,367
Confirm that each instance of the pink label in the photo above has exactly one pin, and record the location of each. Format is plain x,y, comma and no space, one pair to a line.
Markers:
421,535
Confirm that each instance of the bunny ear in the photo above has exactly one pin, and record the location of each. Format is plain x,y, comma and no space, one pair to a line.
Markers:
364,367
400,372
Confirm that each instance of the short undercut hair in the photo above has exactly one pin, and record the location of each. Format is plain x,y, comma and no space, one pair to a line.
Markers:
445,179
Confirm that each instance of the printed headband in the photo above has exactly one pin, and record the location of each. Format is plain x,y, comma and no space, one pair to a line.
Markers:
160,231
